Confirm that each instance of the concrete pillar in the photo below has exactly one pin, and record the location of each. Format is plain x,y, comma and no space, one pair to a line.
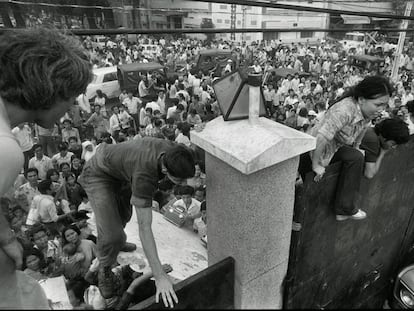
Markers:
251,170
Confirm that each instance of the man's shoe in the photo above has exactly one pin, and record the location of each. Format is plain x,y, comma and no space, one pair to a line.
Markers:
129,247
357,216
106,282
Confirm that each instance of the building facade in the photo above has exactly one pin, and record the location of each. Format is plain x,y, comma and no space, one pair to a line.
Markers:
175,14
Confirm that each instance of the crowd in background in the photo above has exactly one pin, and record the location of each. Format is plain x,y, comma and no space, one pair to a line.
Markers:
50,212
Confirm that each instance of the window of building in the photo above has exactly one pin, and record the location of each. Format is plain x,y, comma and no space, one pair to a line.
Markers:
223,6
227,21
219,21
253,23
306,34
248,37
238,22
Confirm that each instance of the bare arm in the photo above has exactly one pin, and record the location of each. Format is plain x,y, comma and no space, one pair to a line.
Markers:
11,162
371,168
162,281
143,278
317,167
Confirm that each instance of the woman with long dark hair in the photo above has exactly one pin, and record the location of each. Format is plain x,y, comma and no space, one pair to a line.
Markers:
338,136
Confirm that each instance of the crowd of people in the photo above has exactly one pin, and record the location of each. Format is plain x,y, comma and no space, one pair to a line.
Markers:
49,208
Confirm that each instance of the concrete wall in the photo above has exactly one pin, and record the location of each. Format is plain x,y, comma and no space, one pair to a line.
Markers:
350,264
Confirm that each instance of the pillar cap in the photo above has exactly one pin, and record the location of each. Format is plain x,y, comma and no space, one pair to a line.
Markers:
252,147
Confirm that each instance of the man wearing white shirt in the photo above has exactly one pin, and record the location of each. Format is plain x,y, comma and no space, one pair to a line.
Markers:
23,133
153,105
269,94
115,123
40,161
181,90
407,96
26,192
142,87
290,100
133,104
161,101
295,83
287,84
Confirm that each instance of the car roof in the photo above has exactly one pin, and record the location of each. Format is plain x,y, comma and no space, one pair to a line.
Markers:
140,66
103,70
215,51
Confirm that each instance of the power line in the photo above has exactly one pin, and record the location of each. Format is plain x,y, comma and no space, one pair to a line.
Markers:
263,4
239,2
84,32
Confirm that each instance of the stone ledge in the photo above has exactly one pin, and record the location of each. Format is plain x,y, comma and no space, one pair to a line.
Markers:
250,147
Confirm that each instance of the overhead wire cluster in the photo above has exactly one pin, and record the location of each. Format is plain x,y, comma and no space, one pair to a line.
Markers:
289,10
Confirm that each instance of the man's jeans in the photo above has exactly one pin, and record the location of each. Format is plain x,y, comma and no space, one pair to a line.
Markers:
109,198
349,179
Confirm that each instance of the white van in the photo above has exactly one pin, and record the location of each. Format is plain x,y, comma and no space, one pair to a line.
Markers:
106,80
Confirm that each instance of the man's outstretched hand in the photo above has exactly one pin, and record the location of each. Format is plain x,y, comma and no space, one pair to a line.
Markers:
165,289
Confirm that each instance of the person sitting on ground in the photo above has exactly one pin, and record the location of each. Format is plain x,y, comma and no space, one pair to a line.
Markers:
191,205
76,166
40,161
43,209
75,147
69,131
72,234
73,190
168,130
72,262
26,192
58,184
81,220
17,225
378,140
51,249
65,171
35,264
63,156
193,118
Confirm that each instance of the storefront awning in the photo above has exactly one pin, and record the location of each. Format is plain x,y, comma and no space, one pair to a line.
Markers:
351,19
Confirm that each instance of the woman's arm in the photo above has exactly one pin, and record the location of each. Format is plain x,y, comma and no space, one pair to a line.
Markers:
317,167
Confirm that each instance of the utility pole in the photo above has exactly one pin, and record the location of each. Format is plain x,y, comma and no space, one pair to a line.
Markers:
244,8
233,21
401,40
